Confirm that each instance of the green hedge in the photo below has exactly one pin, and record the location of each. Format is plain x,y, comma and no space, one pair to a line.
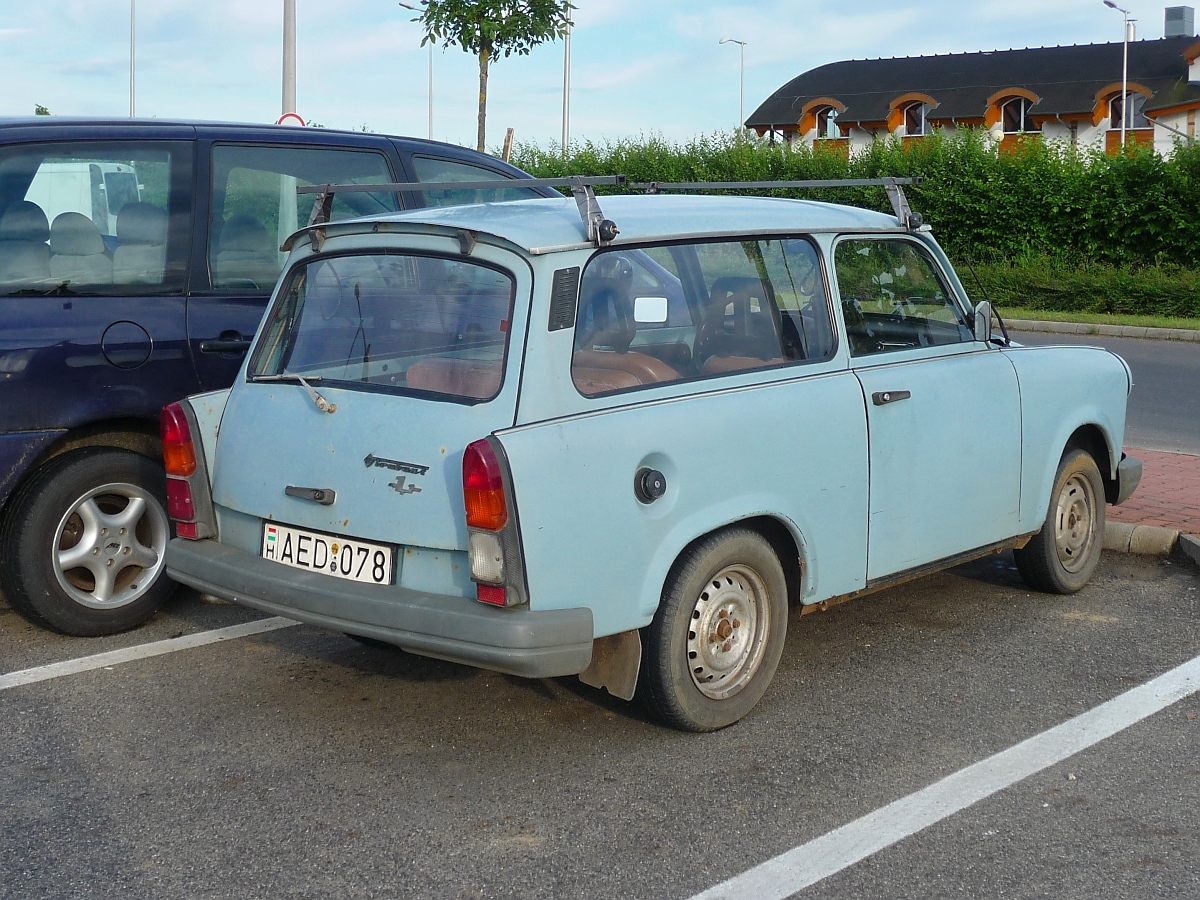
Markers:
1049,226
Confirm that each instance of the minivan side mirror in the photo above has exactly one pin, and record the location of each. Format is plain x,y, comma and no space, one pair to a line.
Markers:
983,321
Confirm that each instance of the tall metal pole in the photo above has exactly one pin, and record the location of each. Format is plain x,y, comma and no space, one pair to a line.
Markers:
431,90
566,123
289,56
1124,69
132,33
741,80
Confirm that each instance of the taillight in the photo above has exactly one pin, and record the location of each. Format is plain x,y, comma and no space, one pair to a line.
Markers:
179,455
493,543
179,500
483,488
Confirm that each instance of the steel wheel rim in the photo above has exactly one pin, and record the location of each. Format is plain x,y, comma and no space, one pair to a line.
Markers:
110,545
727,633
1075,523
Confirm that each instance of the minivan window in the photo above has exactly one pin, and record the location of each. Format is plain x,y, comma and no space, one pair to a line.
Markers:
430,170
94,218
255,206
391,322
752,304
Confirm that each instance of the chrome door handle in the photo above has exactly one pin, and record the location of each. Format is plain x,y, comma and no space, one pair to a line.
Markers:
879,398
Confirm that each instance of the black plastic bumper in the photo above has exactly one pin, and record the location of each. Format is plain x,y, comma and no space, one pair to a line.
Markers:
1129,476
531,643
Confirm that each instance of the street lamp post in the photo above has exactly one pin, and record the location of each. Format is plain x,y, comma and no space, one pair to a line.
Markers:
289,56
131,42
741,79
1124,68
429,77
566,123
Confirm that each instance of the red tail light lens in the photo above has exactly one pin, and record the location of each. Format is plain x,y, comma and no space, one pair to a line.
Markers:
178,454
179,500
496,596
483,488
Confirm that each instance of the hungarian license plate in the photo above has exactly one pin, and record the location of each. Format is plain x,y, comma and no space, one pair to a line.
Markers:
340,557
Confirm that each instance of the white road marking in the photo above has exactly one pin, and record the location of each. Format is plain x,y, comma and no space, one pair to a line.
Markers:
809,863
141,651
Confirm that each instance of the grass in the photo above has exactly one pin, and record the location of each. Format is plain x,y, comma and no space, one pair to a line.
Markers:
1043,315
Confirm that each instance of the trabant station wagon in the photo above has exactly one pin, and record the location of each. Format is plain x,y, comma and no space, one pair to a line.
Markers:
548,440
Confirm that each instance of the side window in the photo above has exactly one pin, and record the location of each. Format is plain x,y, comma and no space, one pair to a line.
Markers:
714,308
95,218
255,205
431,170
893,297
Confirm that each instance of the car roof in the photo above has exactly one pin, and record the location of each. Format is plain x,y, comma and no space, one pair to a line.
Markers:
542,226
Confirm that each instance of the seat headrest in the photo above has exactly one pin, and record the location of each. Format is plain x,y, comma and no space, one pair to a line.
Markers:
24,221
142,223
74,234
245,233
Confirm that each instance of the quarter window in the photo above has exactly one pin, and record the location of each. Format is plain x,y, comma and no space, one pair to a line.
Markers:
894,299
718,308
431,170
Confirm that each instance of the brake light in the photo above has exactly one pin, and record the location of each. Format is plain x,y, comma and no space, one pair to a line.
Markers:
483,488
179,456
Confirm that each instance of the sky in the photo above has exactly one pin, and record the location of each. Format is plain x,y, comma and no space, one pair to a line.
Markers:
638,67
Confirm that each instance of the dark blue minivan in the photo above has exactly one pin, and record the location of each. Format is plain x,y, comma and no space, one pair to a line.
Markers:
136,258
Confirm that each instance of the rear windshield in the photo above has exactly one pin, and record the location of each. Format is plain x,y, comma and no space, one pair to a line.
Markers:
391,322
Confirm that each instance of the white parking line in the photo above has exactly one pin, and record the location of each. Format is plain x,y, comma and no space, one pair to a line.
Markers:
141,651
807,864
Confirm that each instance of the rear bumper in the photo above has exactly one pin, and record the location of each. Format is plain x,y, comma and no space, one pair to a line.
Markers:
1129,476
531,643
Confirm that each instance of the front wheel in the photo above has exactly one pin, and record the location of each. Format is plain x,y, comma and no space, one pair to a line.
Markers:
1061,558
83,547
717,637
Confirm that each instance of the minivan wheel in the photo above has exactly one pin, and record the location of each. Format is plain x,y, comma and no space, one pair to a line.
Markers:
1061,558
715,642
83,548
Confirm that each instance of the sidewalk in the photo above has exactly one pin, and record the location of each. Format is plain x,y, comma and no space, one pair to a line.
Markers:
1169,495
1125,331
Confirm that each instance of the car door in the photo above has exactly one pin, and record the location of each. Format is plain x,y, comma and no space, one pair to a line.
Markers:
252,206
94,237
943,410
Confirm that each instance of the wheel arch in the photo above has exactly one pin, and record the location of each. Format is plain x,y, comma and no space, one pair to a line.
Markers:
1092,439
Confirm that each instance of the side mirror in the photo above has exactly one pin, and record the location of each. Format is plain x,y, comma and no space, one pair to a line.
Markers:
983,321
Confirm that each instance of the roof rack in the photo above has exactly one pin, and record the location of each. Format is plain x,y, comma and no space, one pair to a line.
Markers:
600,230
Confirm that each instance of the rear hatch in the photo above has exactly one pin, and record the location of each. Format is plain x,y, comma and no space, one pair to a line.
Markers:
370,376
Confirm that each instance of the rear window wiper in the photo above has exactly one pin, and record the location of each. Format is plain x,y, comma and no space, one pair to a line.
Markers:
320,402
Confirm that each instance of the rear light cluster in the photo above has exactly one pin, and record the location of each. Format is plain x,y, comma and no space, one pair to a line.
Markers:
493,541
189,499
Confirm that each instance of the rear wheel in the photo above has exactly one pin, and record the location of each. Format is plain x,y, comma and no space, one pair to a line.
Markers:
1061,558
716,639
83,548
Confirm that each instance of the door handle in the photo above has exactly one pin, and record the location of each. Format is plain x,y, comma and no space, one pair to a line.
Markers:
218,346
879,398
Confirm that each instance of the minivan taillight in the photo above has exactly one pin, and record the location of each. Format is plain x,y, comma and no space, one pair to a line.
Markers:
189,498
493,541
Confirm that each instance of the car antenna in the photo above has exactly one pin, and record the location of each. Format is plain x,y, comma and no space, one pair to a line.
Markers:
996,312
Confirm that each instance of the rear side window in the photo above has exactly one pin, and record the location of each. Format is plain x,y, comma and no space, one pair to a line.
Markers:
255,206
430,170
95,218
392,322
684,311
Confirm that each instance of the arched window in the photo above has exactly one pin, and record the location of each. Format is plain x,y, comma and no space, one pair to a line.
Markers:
1014,114
1137,118
915,122
827,126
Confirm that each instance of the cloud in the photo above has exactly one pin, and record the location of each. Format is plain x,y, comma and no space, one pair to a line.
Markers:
14,32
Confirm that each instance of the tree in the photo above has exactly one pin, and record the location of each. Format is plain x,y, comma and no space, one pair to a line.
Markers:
39,110
491,29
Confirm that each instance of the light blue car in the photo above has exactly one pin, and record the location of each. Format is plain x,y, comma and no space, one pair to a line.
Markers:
544,444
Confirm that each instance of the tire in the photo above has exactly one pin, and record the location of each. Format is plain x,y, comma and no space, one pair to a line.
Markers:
715,642
82,549
1061,558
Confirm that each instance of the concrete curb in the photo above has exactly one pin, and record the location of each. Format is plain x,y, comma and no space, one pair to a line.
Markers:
1125,331
1153,540
1189,546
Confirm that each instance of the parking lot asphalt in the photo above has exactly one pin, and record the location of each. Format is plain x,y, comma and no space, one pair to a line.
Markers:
298,763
